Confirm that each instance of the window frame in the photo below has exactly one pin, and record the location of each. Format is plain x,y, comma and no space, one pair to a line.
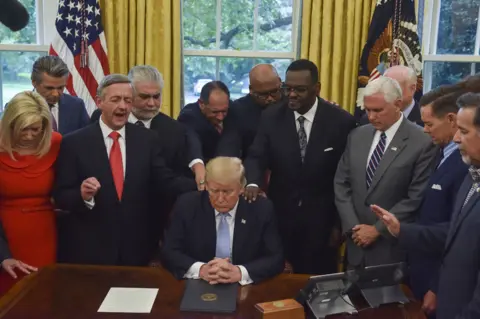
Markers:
431,18
229,53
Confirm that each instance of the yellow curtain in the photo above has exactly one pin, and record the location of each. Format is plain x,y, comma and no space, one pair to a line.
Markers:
146,32
333,35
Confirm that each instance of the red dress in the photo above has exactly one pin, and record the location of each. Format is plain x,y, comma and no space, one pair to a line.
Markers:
26,211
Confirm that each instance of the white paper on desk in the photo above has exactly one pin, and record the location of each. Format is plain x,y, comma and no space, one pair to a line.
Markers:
129,300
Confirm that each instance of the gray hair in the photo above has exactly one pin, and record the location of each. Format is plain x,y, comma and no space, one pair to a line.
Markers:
110,80
145,73
50,64
404,73
389,88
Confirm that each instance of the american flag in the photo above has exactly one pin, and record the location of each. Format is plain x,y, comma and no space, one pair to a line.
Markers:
80,42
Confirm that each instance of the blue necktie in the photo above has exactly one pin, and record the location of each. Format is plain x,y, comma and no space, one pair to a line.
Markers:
375,159
223,237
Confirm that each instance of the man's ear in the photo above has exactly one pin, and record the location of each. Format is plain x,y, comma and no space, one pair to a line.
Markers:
318,87
98,101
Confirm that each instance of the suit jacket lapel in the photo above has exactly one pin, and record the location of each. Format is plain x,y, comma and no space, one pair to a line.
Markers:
210,227
395,147
291,138
315,138
461,212
363,151
62,118
240,231
100,160
132,150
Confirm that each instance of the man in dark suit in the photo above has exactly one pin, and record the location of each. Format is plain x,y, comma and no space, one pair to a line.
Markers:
387,162
300,142
207,120
407,79
458,285
106,176
49,78
247,111
439,113
218,236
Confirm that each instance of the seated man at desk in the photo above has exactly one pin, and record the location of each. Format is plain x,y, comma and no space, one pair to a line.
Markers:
217,236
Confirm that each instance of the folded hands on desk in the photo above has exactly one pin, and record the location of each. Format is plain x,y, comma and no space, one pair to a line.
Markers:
221,271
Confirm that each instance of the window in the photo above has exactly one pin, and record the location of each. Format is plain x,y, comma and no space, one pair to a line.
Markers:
451,40
18,50
224,39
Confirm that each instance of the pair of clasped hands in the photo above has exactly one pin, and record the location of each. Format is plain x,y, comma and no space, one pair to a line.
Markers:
220,271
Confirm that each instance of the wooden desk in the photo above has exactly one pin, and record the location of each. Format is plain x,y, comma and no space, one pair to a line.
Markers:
68,291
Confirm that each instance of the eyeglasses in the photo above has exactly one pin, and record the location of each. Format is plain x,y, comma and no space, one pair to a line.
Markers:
297,89
265,95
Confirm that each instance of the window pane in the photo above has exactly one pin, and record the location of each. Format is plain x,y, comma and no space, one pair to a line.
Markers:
27,35
15,73
233,72
448,72
199,24
198,71
237,24
458,26
275,25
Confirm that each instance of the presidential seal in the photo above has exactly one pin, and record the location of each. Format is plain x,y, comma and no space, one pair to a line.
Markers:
209,297
278,304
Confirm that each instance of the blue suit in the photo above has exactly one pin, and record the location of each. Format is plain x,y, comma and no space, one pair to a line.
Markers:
437,206
458,286
72,114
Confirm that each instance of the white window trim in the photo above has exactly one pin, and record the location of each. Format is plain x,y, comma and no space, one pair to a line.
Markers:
431,18
251,53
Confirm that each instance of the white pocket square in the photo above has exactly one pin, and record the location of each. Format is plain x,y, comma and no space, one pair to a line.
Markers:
328,149
437,187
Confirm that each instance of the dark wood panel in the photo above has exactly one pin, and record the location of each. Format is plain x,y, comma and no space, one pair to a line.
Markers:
70,291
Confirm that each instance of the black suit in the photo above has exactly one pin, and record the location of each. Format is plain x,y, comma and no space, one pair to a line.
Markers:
458,288
113,232
414,116
302,194
192,237
203,136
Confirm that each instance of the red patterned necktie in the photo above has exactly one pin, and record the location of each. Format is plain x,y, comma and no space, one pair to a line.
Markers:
116,163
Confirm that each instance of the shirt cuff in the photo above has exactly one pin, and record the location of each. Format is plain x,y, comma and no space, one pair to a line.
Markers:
195,161
90,203
194,271
252,185
246,280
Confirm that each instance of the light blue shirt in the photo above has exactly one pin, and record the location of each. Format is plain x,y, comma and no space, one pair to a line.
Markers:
447,151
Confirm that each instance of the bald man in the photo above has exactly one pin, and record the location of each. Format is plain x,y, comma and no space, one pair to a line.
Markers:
246,111
407,78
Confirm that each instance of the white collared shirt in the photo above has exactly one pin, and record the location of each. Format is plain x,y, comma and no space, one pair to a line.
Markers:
409,109
194,270
390,133
108,145
309,117
133,119
55,113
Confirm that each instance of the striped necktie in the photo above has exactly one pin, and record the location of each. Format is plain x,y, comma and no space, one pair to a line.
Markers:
375,159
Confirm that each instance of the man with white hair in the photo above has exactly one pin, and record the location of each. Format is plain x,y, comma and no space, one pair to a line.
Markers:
407,78
388,161
220,237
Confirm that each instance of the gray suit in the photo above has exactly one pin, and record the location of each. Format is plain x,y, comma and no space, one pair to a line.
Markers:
397,186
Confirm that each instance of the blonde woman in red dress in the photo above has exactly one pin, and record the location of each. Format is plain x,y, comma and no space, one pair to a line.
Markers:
28,150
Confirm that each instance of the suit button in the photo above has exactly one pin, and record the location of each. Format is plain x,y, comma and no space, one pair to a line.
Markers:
299,203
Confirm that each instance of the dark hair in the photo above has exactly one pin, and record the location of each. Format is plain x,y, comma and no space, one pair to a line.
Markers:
446,104
471,100
208,88
111,79
431,96
305,65
50,64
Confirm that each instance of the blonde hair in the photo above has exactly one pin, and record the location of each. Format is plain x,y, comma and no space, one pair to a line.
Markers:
25,109
388,87
224,169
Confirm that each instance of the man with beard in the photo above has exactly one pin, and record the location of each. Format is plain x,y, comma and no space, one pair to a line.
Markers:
108,174
301,142
247,111
458,242
147,100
